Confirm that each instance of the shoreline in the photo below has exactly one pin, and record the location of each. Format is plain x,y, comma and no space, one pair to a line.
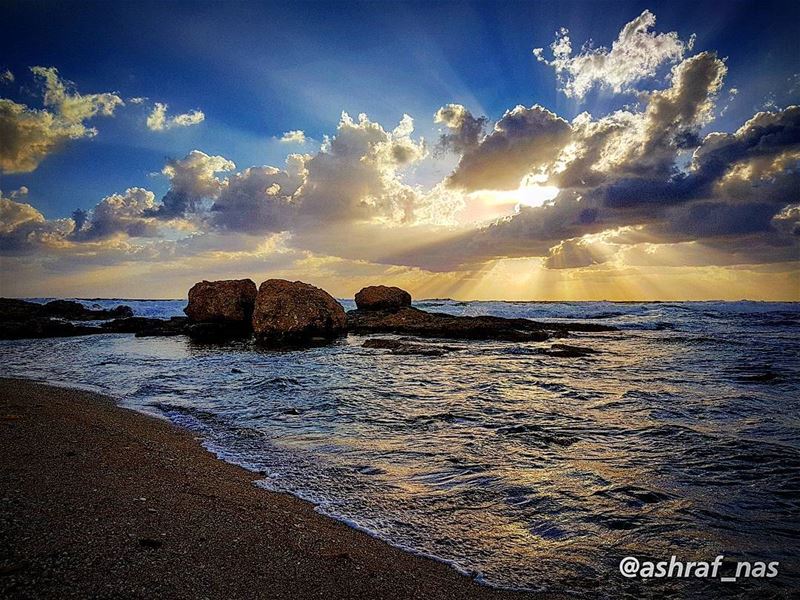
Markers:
101,500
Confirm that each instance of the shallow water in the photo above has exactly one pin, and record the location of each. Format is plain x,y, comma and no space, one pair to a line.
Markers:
679,438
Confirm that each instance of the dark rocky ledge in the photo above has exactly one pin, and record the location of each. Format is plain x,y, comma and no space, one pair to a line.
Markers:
416,322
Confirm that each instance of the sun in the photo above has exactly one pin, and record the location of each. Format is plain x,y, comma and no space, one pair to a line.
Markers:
535,194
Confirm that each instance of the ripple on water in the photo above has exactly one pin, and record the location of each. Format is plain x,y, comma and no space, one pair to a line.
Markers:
679,437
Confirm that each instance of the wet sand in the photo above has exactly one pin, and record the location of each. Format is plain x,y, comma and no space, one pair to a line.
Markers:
100,501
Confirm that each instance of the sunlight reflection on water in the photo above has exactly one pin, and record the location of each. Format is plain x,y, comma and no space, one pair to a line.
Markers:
534,471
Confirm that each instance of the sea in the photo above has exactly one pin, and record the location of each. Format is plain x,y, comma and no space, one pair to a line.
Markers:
679,438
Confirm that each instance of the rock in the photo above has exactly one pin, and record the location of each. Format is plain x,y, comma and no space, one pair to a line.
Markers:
75,311
416,322
405,348
295,312
213,333
566,351
381,297
227,301
21,310
161,328
145,326
130,324
412,321
43,327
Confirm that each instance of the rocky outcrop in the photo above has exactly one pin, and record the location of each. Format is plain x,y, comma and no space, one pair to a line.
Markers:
147,327
43,327
75,311
412,321
226,301
22,310
381,297
289,312
20,319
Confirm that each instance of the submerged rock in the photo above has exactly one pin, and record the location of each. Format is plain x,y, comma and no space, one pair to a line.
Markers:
403,347
381,297
289,312
226,301
567,351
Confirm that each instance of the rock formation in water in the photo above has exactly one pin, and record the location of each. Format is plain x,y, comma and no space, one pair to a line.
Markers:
289,312
226,301
220,310
381,297
20,319
377,314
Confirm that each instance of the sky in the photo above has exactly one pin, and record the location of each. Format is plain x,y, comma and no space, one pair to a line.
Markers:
496,150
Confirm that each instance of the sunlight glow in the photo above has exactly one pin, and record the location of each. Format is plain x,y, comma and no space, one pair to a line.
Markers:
535,194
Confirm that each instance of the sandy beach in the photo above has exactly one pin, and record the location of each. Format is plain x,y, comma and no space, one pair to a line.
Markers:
102,501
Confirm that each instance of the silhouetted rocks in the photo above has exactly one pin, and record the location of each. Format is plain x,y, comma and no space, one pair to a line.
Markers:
43,327
130,324
22,310
20,319
412,321
403,347
75,311
289,312
226,301
146,326
214,333
381,297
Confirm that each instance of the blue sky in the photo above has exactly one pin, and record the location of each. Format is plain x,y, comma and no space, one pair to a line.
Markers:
605,181
259,69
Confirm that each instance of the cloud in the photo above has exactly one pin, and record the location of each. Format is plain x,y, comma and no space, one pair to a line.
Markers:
6,76
644,186
296,136
158,120
355,175
260,199
192,179
523,141
119,214
464,130
29,135
636,54
23,229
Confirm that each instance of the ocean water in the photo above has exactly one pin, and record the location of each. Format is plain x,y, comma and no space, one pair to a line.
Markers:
680,437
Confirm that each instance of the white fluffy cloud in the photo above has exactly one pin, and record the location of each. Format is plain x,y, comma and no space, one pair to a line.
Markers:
158,120
296,136
29,135
635,55
638,186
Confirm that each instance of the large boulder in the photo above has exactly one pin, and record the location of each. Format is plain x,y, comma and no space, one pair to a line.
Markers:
228,301
382,297
289,312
